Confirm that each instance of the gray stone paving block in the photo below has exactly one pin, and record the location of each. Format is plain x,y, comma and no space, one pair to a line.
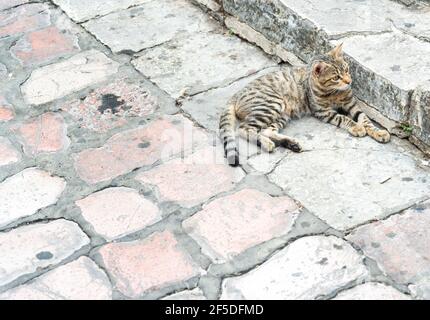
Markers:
200,62
85,10
306,269
149,25
346,181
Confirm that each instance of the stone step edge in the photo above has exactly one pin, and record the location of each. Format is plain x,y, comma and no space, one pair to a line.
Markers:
243,30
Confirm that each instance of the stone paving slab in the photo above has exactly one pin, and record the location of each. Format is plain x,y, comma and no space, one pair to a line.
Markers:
26,192
175,180
229,225
45,134
28,249
81,279
149,264
6,4
8,153
58,80
144,146
23,19
128,212
347,181
200,62
400,247
372,291
179,19
81,11
308,268
195,294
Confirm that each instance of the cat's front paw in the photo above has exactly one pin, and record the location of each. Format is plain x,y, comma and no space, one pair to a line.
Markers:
357,131
382,136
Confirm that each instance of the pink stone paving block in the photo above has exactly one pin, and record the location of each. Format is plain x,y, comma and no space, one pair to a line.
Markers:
400,245
8,153
6,111
193,180
145,265
115,212
44,45
108,107
44,134
24,19
229,225
139,147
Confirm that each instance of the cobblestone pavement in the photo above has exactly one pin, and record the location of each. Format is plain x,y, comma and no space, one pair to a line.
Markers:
113,185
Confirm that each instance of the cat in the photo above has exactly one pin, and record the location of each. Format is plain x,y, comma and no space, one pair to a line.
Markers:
322,89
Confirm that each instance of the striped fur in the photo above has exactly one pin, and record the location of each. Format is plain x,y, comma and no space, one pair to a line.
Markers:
322,89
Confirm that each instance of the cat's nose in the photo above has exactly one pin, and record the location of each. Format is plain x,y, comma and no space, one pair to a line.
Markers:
347,79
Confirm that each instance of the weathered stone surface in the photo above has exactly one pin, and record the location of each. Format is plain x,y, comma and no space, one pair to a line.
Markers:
153,263
400,247
44,45
139,147
26,192
177,179
6,113
24,19
76,73
420,113
46,133
3,70
246,32
115,212
266,162
200,62
195,294
109,106
6,110
346,181
6,4
82,11
213,5
27,249
361,16
306,269
8,153
228,226
151,24
79,280
372,291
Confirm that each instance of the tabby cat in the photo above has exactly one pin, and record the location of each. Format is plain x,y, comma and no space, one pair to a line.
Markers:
322,88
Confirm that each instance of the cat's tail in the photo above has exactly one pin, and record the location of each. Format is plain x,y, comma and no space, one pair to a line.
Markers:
227,124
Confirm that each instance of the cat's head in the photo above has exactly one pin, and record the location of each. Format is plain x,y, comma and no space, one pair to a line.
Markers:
330,72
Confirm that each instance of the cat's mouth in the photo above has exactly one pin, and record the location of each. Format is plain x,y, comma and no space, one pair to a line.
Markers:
344,88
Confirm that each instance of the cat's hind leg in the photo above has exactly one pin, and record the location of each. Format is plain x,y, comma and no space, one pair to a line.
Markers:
252,134
280,139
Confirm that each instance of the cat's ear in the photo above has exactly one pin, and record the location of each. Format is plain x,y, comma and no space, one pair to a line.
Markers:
337,51
318,68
